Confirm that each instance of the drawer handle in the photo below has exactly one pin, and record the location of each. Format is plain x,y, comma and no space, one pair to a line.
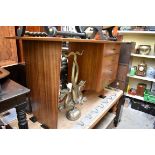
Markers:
114,49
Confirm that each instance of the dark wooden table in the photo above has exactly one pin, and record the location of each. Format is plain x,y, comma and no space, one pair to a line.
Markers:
13,95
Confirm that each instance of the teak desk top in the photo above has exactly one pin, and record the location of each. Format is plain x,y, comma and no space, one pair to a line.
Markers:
65,39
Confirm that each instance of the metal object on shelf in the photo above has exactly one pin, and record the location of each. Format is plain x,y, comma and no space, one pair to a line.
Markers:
21,31
144,49
81,32
73,114
98,30
151,28
52,31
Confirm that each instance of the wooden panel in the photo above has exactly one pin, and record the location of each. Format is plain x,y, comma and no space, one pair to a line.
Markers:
8,51
122,85
111,60
69,40
43,73
19,42
124,59
125,52
109,72
96,68
90,64
112,48
34,28
122,72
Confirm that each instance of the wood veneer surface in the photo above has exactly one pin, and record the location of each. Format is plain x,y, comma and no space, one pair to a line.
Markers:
96,66
43,74
92,101
66,39
90,64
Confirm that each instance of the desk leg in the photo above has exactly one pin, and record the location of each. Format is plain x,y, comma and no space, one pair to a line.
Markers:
21,116
119,110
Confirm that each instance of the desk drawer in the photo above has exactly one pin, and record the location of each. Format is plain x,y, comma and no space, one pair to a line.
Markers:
109,74
107,81
112,48
111,60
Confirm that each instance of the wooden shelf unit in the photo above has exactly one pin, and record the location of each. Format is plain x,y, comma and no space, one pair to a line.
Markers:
142,78
97,66
136,32
136,97
140,38
143,56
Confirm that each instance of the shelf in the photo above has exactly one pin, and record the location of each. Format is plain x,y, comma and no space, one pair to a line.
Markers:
92,102
143,56
142,78
106,121
135,96
137,32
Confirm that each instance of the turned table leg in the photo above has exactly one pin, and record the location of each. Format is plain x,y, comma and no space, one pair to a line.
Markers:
21,116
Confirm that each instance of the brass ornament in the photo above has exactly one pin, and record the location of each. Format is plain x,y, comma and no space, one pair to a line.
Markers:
68,98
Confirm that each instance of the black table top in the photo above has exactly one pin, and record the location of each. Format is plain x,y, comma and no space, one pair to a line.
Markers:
11,89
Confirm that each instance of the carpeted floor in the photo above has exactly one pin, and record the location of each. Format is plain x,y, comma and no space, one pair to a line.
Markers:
134,119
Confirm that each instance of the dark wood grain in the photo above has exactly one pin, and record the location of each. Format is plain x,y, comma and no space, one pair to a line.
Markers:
13,95
43,73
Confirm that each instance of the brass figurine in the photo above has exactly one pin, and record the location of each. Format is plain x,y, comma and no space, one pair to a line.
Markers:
76,88
69,97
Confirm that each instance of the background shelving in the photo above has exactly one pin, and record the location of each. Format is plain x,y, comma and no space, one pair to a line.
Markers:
140,38
142,78
137,32
143,56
